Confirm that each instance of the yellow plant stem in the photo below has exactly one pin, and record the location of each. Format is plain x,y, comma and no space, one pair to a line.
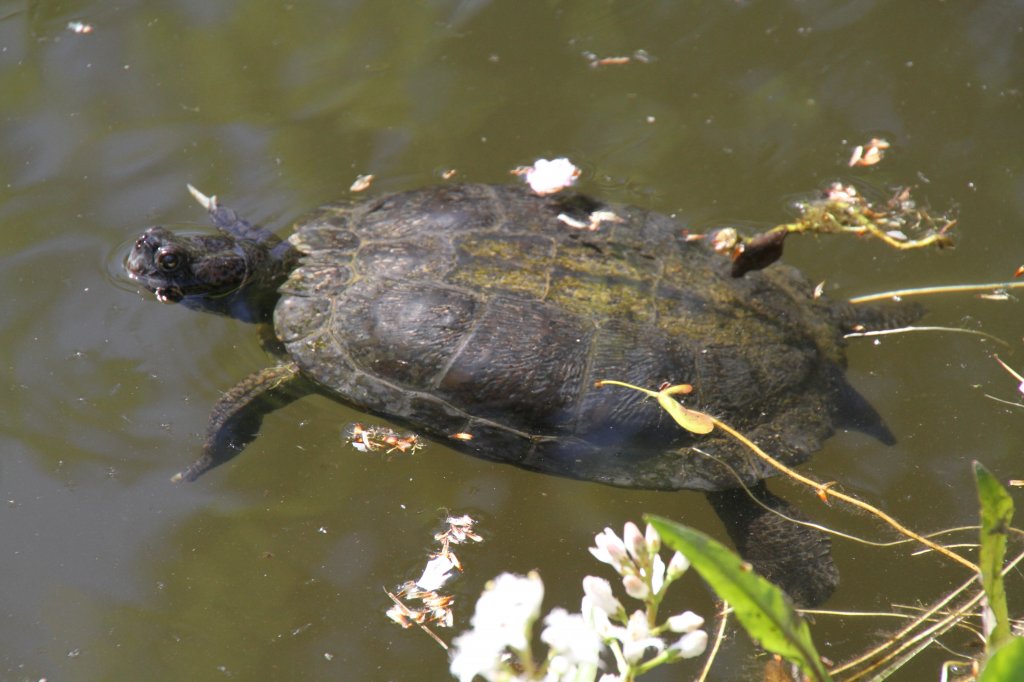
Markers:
701,423
943,289
832,492
723,619
906,638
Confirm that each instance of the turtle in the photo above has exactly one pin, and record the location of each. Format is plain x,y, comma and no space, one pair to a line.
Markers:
493,313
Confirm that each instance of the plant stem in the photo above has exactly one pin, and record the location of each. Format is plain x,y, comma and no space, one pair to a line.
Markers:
831,492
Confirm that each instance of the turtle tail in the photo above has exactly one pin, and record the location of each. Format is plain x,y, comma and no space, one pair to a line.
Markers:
795,557
854,410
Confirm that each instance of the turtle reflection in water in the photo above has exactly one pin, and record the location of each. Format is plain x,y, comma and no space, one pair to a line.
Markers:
477,309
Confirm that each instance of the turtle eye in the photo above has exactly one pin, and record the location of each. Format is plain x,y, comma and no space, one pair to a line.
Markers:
168,261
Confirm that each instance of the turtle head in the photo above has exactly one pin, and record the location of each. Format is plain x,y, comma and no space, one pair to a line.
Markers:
175,267
217,273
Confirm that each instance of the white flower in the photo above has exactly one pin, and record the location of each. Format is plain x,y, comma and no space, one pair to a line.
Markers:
691,644
657,574
601,596
507,608
548,177
677,565
636,545
635,587
688,621
559,668
609,549
503,619
476,653
636,638
608,677
571,638
596,617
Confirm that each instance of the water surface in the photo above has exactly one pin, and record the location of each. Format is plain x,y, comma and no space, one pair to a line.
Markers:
274,567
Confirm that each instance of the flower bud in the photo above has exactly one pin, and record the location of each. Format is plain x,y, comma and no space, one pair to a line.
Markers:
691,644
634,539
653,539
688,621
635,587
677,566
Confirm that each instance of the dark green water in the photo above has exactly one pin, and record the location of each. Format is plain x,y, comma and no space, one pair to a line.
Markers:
274,567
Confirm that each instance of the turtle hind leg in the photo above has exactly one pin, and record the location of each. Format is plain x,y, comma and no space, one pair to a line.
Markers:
795,557
236,417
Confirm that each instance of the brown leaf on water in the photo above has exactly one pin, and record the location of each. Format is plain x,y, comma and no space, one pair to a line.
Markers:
823,492
373,438
778,670
870,153
758,252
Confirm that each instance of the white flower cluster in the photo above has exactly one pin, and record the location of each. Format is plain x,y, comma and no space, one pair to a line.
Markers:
502,626
645,576
549,176
497,648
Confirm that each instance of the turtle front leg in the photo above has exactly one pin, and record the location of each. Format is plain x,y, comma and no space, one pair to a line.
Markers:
236,418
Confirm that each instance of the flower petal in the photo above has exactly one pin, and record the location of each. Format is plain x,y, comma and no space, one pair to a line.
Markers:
600,592
657,574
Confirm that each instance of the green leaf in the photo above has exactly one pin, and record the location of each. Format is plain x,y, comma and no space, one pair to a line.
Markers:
1006,663
996,515
761,607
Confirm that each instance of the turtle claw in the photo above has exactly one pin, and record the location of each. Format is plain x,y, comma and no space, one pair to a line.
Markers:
228,221
168,294
209,203
195,469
